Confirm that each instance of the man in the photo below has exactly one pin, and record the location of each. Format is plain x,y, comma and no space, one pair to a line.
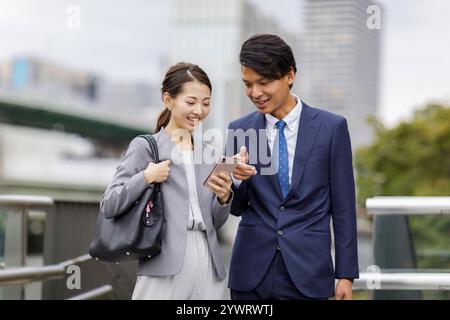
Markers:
282,248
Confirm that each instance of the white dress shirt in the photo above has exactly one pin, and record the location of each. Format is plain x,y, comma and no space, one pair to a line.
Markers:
292,120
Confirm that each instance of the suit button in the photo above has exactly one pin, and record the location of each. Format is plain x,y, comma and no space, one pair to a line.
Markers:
248,203
282,209
280,233
278,248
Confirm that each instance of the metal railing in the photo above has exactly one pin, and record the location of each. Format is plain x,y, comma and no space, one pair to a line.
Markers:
18,208
378,206
98,293
24,275
408,205
393,244
21,205
25,201
13,271
402,281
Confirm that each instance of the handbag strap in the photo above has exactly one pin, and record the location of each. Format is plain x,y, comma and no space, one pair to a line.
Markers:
154,149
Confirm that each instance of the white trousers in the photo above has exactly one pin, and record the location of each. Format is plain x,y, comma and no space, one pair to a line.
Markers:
196,280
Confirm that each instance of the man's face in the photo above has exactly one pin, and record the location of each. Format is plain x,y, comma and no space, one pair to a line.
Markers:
269,96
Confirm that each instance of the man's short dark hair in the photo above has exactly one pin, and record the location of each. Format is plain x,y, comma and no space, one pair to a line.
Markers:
268,55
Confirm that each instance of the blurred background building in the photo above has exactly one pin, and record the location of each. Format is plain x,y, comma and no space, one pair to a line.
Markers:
212,37
70,117
64,157
72,98
73,89
341,63
27,75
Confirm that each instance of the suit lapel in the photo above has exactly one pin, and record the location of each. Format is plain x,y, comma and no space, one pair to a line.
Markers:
306,135
168,151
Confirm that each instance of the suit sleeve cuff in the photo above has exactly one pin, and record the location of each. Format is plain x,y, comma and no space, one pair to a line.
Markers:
349,279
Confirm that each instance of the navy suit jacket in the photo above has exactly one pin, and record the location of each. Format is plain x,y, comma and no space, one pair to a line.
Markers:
322,187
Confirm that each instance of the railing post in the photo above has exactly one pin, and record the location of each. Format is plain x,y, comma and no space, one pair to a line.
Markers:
393,245
16,234
15,249
394,249
24,245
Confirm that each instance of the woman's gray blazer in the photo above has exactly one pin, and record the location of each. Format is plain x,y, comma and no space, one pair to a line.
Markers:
128,184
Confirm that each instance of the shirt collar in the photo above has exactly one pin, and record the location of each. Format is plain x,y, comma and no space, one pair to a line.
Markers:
291,118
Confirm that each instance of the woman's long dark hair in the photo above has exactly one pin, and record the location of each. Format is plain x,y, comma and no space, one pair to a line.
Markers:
176,76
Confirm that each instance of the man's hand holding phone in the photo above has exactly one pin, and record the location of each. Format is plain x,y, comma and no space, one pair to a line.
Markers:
243,170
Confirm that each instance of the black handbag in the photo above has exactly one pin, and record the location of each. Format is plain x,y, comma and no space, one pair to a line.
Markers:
137,232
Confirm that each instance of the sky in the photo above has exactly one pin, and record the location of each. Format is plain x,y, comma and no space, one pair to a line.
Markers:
128,40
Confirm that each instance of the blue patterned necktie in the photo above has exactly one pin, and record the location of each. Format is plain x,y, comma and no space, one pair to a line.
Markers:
283,160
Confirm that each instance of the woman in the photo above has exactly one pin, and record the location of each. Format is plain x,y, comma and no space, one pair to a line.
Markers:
190,265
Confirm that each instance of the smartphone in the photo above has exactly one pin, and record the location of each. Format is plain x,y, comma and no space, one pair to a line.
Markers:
226,164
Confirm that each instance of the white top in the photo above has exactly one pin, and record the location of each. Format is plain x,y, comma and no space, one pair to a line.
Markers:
195,213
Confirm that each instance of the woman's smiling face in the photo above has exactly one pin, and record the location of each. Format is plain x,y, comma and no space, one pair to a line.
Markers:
190,106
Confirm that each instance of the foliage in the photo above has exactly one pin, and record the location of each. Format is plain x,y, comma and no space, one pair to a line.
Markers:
412,159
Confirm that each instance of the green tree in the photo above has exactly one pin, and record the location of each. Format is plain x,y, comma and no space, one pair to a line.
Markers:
412,159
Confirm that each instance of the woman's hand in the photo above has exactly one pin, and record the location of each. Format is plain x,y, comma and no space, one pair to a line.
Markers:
220,184
156,173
